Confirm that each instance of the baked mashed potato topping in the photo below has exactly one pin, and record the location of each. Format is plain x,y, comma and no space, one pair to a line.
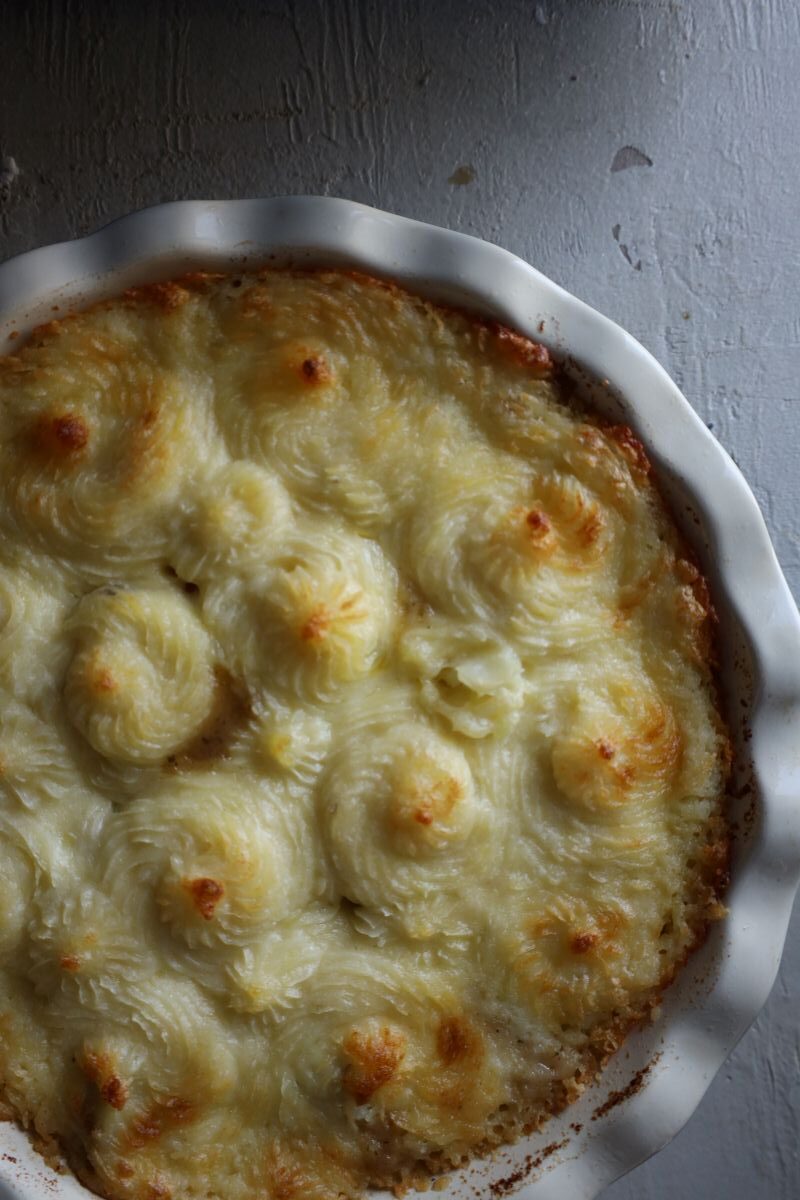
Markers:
361,775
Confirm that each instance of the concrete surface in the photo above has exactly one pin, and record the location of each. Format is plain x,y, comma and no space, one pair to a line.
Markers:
644,153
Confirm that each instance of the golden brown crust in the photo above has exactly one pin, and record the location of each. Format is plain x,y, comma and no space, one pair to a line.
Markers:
99,1070
372,1060
533,356
157,1119
60,438
457,1039
206,895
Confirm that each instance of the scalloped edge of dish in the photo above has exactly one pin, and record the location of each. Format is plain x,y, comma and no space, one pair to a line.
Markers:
725,985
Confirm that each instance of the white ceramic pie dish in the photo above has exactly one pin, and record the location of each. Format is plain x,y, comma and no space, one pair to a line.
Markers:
671,1063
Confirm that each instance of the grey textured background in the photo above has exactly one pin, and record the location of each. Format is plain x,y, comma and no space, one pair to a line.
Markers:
644,153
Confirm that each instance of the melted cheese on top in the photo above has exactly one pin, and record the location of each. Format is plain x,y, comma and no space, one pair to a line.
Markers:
360,774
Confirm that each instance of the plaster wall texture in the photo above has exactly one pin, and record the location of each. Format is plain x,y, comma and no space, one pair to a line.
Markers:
643,153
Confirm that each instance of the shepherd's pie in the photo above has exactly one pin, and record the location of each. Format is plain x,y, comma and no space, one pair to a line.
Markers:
361,765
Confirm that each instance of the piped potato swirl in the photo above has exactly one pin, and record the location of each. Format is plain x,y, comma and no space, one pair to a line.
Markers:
140,681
